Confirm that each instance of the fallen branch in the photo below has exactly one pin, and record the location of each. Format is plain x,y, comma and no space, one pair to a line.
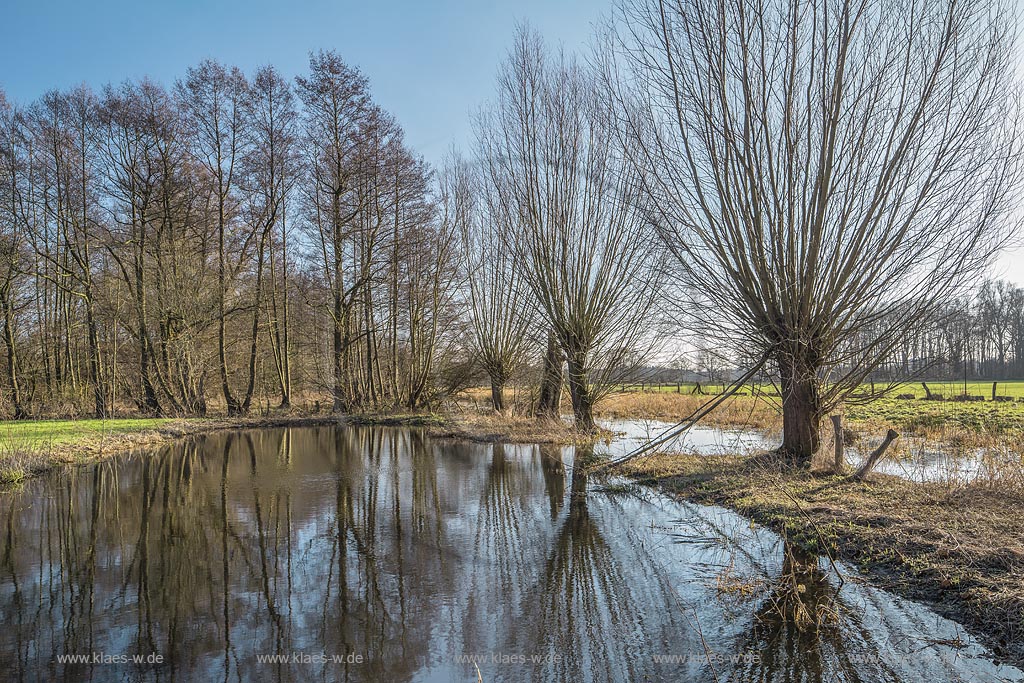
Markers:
869,464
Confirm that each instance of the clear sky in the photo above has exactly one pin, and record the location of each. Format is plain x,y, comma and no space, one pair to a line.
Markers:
431,63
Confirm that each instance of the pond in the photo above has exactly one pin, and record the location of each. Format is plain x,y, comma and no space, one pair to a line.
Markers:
381,554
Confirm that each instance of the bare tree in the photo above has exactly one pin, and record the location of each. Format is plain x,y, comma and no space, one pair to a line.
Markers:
549,393
587,253
818,166
498,297
144,249
432,279
64,126
337,113
213,99
270,165
12,257
136,123
272,169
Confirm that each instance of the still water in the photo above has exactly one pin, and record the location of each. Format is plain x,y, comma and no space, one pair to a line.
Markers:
373,554
914,458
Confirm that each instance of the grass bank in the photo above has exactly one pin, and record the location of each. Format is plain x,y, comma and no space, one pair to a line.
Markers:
958,549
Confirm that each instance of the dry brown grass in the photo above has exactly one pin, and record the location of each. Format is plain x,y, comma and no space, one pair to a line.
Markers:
730,584
739,411
961,549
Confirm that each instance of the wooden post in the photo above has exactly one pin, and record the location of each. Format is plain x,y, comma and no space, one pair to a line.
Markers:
837,426
994,390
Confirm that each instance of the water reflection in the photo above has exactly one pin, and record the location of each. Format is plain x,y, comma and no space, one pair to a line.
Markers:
361,554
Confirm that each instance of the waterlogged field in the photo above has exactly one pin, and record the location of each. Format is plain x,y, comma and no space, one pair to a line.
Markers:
952,441
756,406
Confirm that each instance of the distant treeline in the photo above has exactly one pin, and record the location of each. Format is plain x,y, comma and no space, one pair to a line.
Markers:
981,336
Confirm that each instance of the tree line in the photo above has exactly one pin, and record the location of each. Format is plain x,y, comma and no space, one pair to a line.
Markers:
980,335
221,240
233,239
809,184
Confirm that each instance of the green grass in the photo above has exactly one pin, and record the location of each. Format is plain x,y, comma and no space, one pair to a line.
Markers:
36,434
1010,388
30,446
921,416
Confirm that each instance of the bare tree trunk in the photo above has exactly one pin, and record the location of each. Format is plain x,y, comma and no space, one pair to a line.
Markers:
150,401
222,359
394,295
286,387
246,402
579,391
11,356
275,322
338,356
95,365
497,394
801,410
869,464
550,395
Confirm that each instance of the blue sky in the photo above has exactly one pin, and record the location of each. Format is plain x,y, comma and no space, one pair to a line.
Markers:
429,63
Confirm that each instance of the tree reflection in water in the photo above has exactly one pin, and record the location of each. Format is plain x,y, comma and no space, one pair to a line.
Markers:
584,598
398,554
